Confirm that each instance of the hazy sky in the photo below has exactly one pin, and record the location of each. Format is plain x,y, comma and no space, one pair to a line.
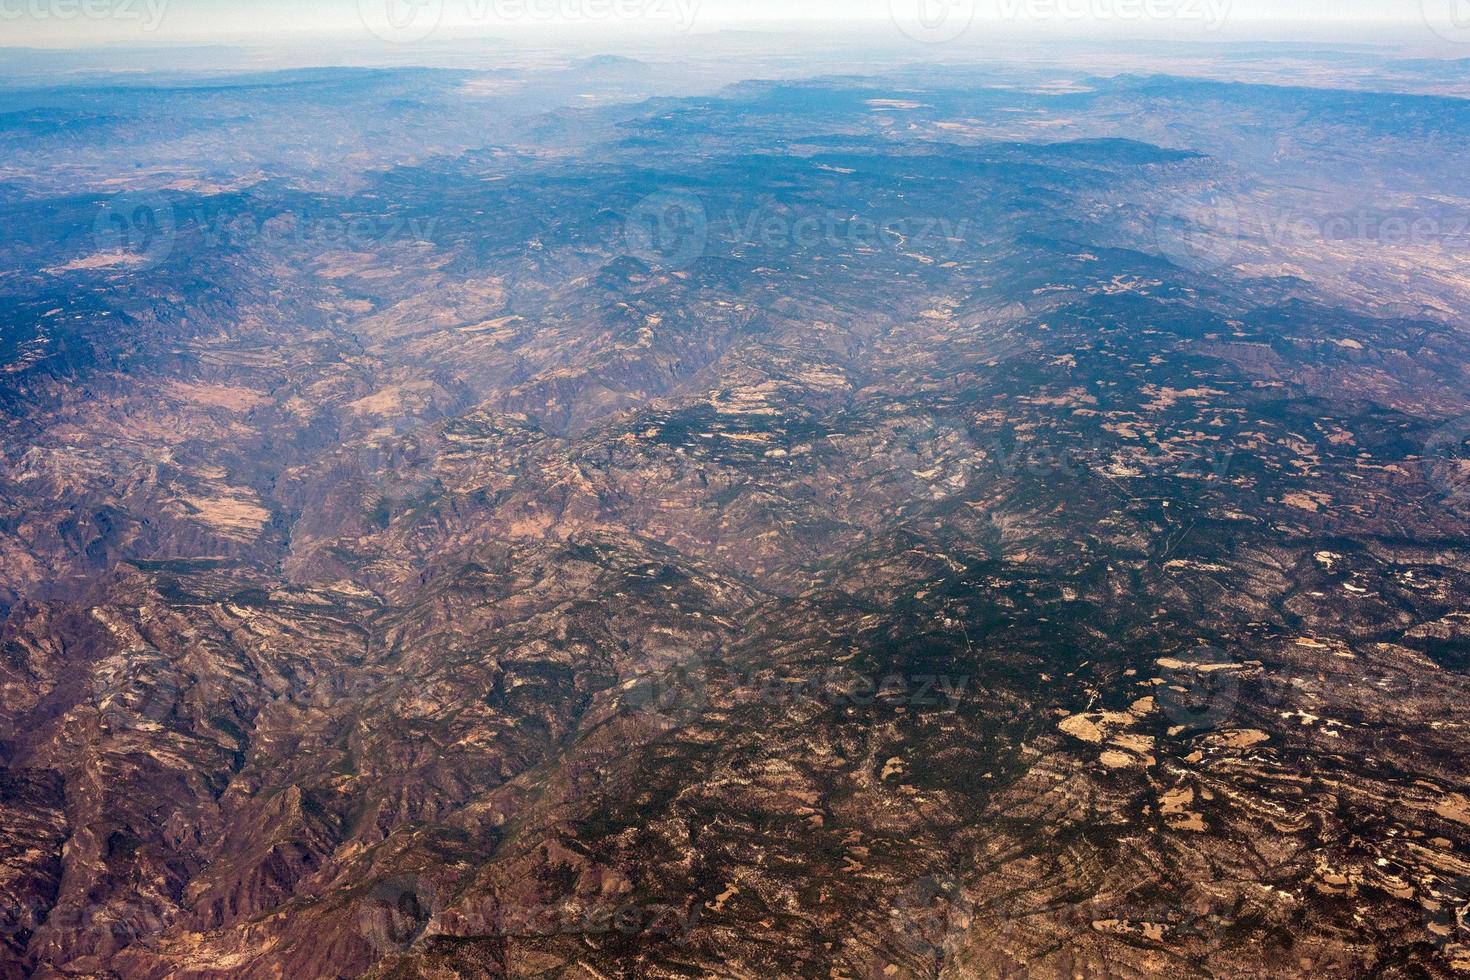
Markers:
51,23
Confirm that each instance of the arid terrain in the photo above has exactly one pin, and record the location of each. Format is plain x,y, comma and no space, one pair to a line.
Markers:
570,521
